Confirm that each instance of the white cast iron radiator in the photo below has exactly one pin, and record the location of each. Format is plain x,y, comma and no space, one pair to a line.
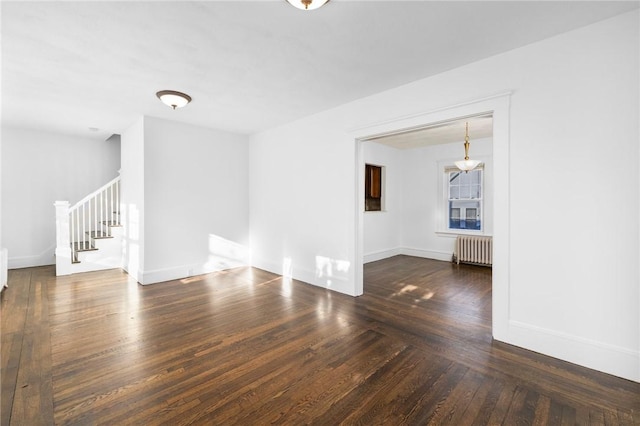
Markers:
473,249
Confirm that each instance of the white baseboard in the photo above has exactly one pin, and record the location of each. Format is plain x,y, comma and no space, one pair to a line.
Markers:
384,254
338,281
427,254
45,258
155,276
611,359
162,275
407,251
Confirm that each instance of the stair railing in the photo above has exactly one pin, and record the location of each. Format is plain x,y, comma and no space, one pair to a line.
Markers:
89,217
99,207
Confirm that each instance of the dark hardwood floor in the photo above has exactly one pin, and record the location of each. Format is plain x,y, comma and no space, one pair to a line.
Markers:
248,347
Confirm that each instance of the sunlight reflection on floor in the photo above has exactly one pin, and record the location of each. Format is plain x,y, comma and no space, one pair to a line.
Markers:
409,289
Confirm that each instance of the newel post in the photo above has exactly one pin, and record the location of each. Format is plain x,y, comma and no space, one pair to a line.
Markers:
63,243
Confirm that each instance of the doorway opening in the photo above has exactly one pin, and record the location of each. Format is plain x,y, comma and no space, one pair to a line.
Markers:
422,184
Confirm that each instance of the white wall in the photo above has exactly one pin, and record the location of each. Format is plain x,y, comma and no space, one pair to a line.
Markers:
132,209
38,169
190,196
4,254
382,236
414,207
572,288
424,209
302,181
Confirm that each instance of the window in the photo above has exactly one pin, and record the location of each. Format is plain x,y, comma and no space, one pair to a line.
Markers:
372,188
464,194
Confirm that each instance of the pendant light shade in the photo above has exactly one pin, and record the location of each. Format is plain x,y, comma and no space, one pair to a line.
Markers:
466,164
173,99
307,4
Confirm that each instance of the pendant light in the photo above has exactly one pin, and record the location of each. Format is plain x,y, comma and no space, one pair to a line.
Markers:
466,164
173,99
307,4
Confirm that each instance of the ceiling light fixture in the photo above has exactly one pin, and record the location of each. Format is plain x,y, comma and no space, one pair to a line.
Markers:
173,99
307,4
466,164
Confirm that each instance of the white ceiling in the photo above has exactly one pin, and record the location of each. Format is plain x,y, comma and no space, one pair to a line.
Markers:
249,65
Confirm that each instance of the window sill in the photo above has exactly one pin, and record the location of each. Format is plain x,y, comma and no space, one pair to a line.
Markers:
453,234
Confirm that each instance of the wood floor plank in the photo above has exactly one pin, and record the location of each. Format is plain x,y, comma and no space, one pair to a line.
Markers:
12,323
361,401
472,410
541,414
246,346
515,414
460,398
298,403
33,396
405,389
486,411
503,403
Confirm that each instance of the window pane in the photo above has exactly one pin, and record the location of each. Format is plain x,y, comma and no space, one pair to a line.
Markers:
454,178
475,191
465,192
454,192
454,217
464,215
464,178
471,215
464,203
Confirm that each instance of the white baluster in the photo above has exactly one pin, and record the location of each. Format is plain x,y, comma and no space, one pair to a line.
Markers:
103,213
106,191
77,228
71,234
84,219
72,230
101,195
111,206
117,184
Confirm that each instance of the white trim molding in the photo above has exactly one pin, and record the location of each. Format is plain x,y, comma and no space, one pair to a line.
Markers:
499,106
408,251
383,254
46,257
611,359
427,254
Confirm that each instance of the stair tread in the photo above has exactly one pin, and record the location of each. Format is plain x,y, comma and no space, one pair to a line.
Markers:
112,223
79,246
97,235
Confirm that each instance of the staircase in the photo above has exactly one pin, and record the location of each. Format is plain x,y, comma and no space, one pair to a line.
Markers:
89,233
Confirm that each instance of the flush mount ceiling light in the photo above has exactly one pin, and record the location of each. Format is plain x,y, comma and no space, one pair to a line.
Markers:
466,164
173,99
307,4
